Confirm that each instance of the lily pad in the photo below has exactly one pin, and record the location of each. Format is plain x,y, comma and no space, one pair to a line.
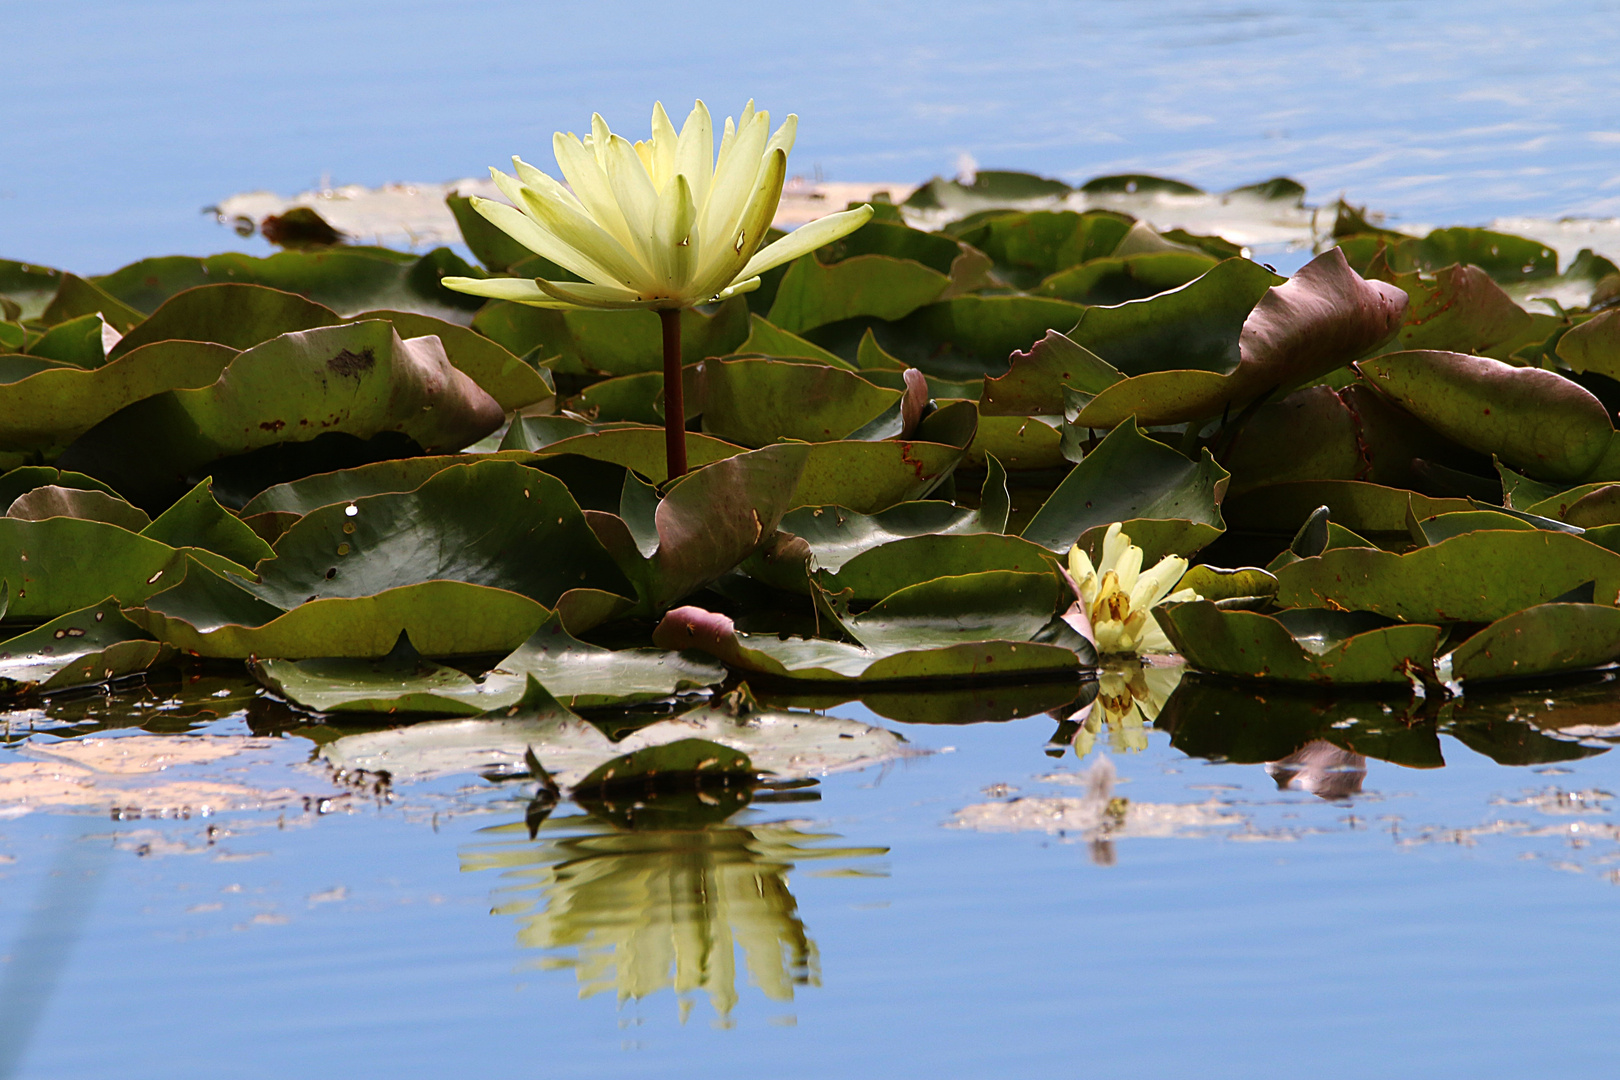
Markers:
576,674
51,501
605,343
49,408
1365,508
1029,247
1542,640
1594,345
813,294
1536,421
208,614
709,521
757,402
1320,319
1302,645
1476,577
1121,279
359,379
81,648
1129,477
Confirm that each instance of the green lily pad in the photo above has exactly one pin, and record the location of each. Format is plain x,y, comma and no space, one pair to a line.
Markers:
1536,421
576,674
198,521
1320,319
1130,477
757,402
49,408
958,339
1432,530
52,501
1024,443
768,340
1029,247
345,485
1121,279
641,448
1309,435
709,521
877,572
1365,508
345,279
605,343
1053,362
1303,645
81,648
813,294
1593,345
80,342
494,523
1213,583
28,286
1542,640
21,481
1506,258
359,379
821,660
211,615
75,297
65,564
872,476
1461,310
1476,577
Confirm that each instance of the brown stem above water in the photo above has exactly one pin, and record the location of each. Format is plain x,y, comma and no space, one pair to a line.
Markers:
674,395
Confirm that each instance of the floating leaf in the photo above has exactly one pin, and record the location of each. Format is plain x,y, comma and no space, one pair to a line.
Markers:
1365,508
82,648
1475,577
198,521
210,615
359,379
1461,310
1300,645
1028,247
599,343
49,408
757,402
1594,345
1320,319
54,501
1542,640
1309,435
577,674
1129,477
813,294
1119,280
1534,420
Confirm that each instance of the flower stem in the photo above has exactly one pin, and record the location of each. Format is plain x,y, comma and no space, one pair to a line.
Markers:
674,395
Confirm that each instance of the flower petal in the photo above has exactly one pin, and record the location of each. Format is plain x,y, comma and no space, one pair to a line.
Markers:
663,147
529,176
694,156
532,235
1156,583
741,159
1114,544
807,238
720,268
588,238
637,199
586,295
783,139
747,285
522,290
675,240
591,186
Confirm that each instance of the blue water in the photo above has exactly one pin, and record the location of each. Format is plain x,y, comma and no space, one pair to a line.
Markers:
1403,932
124,120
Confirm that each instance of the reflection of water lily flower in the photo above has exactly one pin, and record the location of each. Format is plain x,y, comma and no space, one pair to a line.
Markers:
655,909
1119,598
654,224
1129,697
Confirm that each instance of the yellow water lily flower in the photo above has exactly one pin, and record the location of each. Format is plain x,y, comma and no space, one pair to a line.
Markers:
660,224
1119,599
1130,694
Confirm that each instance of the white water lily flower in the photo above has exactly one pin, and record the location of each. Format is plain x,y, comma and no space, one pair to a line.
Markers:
659,224
1119,599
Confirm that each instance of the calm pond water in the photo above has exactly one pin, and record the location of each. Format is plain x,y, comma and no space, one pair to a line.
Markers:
1443,904
974,907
